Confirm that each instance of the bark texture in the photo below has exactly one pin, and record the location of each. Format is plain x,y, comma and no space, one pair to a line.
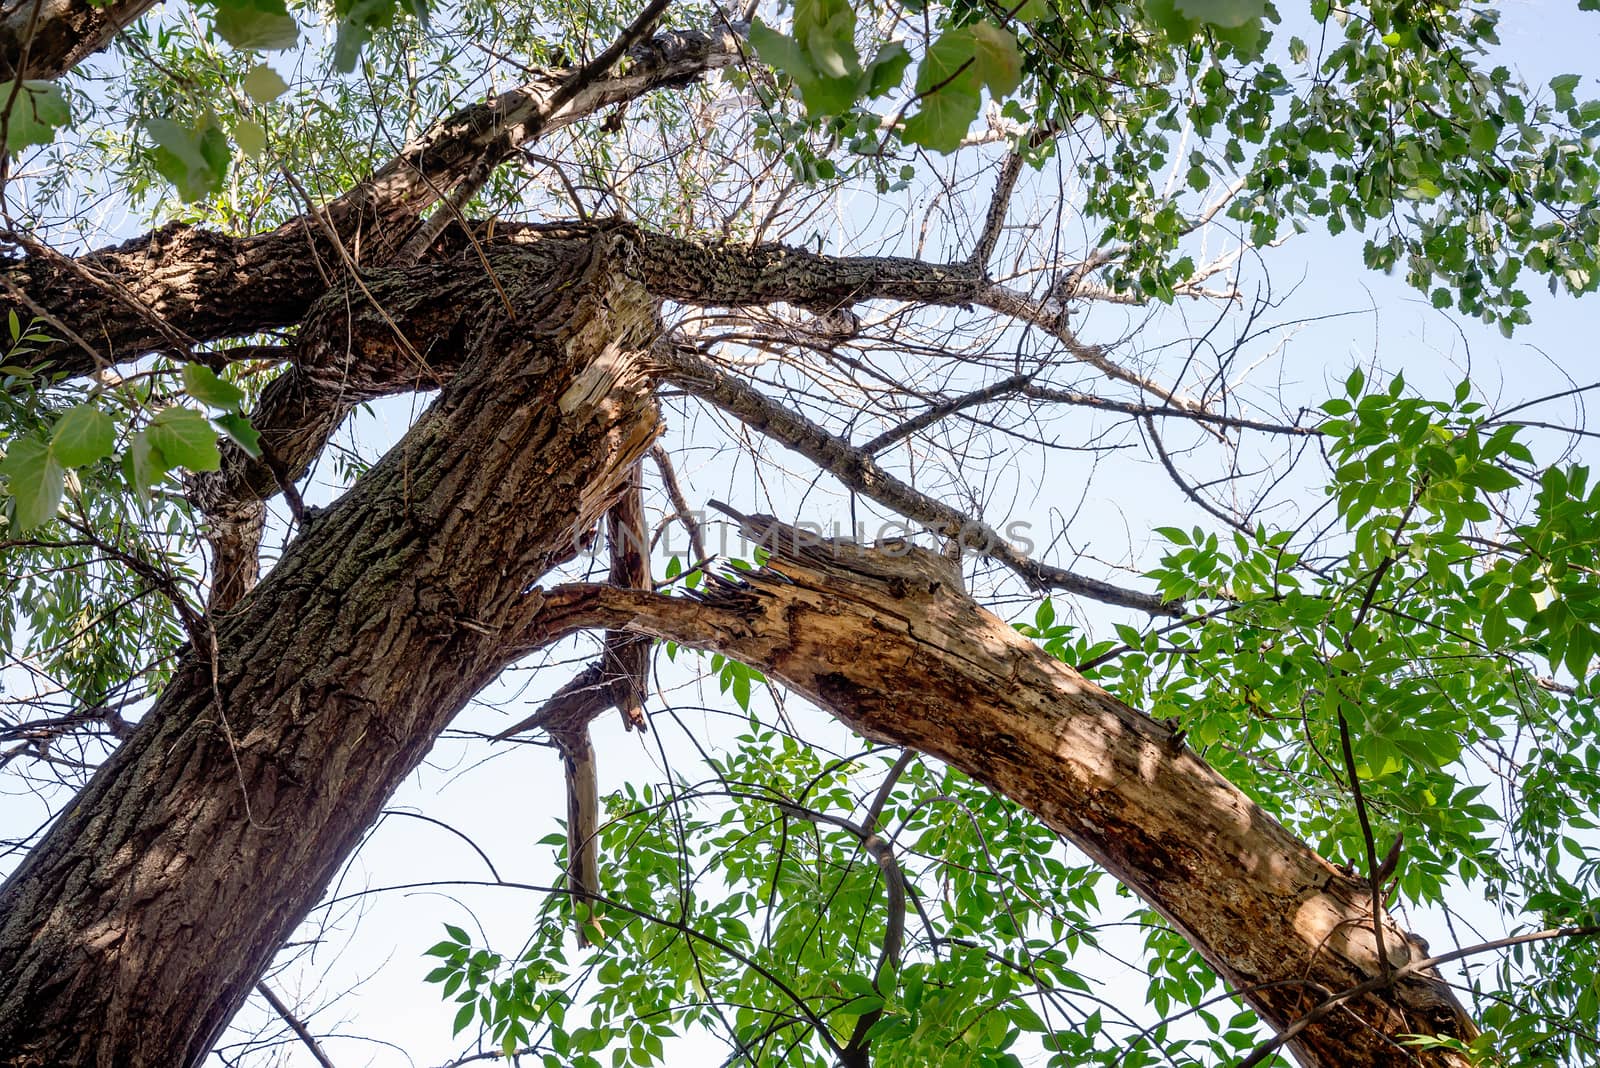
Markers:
886,639
179,286
133,931
47,38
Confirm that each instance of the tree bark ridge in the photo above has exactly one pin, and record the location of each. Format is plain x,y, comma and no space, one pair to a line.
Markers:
132,932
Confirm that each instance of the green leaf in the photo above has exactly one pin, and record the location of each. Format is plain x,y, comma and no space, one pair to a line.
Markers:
186,439
251,137
822,95
950,64
826,29
1166,15
1563,85
778,50
195,159
1224,12
201,383
357,21
1485,135
241,433
995,55
887,69
148,464
264,84
38,110
943,120
34,477
862,1005
947,81
259,24
82,436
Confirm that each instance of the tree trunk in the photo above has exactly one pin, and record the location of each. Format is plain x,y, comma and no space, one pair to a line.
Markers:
887,641
135,929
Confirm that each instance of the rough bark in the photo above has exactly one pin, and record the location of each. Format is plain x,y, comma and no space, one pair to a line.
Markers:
211,286
47,38
179,286
133,931
886,640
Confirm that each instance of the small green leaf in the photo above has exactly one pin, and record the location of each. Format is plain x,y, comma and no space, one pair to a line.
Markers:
1224,12
201,383
35,478
148,464
82,436
195,159
826,29
887,69
822,94
250,136
947,81
264,84
241,433
38,110
995,56
265,25
1563,85
943,120
357,20
862,1005
186,439
777,50
950,64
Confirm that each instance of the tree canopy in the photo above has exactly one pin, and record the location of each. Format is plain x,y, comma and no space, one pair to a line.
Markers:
1078,673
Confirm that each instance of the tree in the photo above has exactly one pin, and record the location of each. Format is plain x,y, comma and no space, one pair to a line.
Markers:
1320,684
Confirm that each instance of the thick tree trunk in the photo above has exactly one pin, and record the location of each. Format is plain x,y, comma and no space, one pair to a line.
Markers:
134,930
888,641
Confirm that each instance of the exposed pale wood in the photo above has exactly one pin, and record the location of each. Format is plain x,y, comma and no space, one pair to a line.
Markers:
886,640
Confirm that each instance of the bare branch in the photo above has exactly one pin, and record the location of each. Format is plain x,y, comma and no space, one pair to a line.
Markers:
690,371
295,1024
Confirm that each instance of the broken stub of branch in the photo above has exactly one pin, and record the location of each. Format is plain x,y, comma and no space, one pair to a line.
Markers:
883,637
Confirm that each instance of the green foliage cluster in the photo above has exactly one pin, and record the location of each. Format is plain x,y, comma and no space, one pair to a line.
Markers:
1390,119
1458,661
1450,657
146,439
748,902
